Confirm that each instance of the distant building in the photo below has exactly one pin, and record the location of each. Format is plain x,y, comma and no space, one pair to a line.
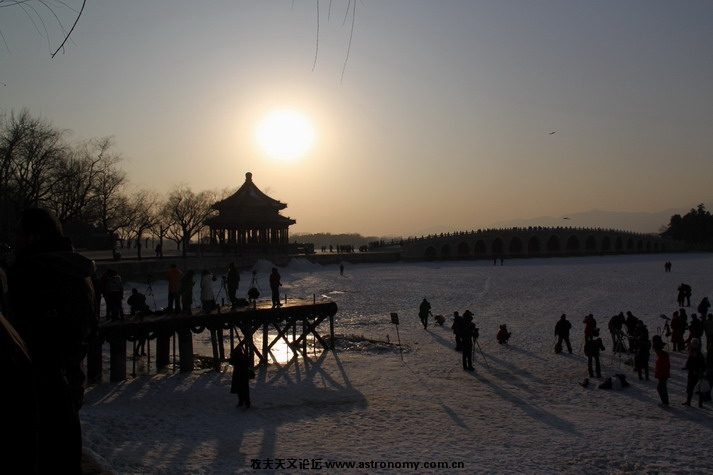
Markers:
249,220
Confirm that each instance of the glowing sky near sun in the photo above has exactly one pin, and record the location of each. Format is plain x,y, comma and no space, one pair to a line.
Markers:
424,114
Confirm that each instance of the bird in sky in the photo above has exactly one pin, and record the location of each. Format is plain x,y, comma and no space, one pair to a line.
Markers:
565,217
552,133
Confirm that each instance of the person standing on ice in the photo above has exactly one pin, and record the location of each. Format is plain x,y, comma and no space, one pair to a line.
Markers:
468,334
590,324
708,329
592,347
662,368
696,367
678,328
641,358
424,310
562,329
703,308
240,383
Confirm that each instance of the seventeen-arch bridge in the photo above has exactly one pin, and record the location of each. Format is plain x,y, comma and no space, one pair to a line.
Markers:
533,242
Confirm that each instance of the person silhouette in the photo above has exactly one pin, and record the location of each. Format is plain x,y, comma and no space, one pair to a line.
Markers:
562,328
424,310
275,284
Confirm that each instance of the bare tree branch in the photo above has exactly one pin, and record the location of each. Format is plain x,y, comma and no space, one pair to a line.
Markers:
37,10
76,20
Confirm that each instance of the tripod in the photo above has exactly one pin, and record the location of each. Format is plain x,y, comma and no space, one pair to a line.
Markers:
254,291
481,352
222,289
619,344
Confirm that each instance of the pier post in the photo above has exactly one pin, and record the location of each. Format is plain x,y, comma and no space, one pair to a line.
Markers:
117,359
185,349
214,344
265,344
163,350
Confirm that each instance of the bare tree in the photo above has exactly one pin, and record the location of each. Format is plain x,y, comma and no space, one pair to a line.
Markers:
110,204
77,176
174,232
31,151
189,210
143,207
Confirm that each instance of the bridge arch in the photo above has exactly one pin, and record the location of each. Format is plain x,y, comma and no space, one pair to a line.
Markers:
515,247
553,244
498,246
606,244
533,245
590,244
572,244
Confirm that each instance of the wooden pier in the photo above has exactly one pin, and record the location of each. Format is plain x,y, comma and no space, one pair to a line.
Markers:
293,322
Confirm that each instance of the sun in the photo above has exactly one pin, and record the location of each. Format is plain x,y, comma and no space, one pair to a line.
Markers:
285,134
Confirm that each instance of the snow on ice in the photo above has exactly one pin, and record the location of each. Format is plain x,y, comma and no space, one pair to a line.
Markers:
521,410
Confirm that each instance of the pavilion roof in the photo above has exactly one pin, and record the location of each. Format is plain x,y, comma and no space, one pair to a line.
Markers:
248,207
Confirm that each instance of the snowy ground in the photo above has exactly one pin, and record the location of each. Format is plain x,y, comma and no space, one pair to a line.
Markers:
522,410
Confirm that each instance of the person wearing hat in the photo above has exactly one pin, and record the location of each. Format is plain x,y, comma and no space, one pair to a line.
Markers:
662,368
696,367
468,334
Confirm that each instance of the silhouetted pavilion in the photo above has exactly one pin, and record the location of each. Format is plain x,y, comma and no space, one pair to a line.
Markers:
249,218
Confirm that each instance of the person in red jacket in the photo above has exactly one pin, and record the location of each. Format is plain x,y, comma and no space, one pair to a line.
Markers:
662,368
173,276
590,324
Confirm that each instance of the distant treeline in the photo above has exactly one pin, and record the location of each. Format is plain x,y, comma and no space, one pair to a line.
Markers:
338,240
695,228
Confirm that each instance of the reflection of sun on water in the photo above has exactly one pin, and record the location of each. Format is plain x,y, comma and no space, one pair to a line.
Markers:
280,352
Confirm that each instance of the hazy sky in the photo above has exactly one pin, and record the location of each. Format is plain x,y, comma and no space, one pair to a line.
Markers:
439,114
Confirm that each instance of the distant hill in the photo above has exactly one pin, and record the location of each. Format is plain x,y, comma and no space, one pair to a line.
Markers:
626,221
